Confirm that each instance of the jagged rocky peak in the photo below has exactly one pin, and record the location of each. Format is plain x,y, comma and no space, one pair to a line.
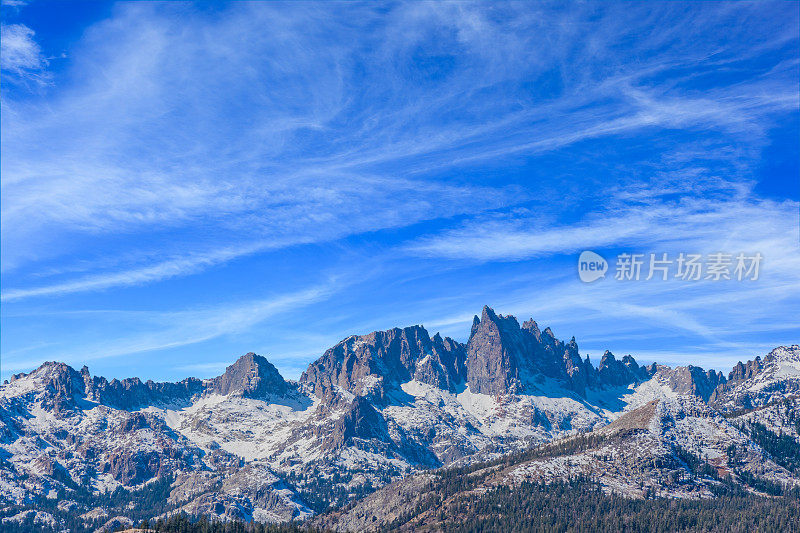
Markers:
55,385
743,371
692,380
495,351
786,354
500,354
59,379
59,385
782,355
365,365
133,393
761,380
251,376
614,372
579,373
531,326
445,365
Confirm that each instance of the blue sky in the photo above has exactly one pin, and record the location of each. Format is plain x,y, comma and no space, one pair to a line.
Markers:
184,183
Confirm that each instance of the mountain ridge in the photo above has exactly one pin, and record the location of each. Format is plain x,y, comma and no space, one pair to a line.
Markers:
250,445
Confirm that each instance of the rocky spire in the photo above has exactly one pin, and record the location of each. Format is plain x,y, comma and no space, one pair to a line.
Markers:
365,365
494,352
578,375
500,354
613,372
745,371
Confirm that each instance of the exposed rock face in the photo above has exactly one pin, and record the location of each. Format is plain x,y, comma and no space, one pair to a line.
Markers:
133,466
251,376
367,364
220,505
692,380
502,356
60,384
249,445
360,421
132,393
115,524
47,466
579,374
496,351
445,367
742,371
761,381
61,379
613,372
548,351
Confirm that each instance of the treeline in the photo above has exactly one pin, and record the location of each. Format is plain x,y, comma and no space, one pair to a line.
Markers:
582,506
568,446
784,449
576,505
181,523
322,493
573,506
146,502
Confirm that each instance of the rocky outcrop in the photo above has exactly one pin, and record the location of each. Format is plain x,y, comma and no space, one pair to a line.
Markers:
131,469
760,382
360,421
692,380
365,365
614,373
118,523
133,393
223,506
47,466
502,356
496,354
251,376
743,371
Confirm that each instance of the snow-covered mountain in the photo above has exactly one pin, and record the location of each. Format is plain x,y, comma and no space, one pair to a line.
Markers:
375,408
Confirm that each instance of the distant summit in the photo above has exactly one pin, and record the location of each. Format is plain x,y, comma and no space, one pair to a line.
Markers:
252,376
374,408
503,357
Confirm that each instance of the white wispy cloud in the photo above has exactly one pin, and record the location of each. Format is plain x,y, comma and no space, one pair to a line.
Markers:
21,55
150,273
157,330
640,126
723,318
695,225
135,150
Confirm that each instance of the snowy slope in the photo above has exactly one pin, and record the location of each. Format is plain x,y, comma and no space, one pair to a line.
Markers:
375,408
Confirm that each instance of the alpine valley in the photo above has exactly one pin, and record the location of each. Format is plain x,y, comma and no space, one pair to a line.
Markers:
371,432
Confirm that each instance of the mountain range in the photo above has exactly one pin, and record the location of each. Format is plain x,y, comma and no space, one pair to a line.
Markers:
354,442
